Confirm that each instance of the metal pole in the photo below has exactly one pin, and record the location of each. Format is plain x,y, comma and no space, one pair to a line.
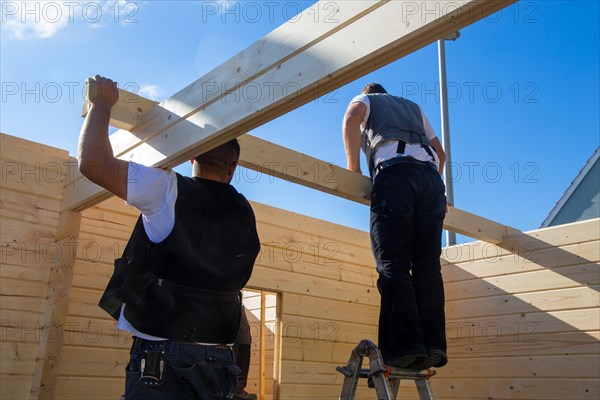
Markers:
450,236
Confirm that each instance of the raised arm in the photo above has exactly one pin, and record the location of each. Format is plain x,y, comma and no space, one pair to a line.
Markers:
355,114
96,159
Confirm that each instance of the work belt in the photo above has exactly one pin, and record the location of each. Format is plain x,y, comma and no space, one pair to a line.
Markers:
221,346
403,160
153,362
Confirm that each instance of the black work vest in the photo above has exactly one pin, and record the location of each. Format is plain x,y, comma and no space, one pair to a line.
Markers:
187,287
392,118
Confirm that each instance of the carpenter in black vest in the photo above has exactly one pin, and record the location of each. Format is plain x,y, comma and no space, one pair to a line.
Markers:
187,287
177,286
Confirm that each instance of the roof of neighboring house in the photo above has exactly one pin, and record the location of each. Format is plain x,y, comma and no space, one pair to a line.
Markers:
571,189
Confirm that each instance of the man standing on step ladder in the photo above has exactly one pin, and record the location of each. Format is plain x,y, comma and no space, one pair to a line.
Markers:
408,205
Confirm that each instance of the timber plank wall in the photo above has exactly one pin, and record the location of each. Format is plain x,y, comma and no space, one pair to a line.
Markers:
523,316
30,198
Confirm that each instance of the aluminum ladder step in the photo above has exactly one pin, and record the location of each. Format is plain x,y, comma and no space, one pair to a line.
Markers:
385,379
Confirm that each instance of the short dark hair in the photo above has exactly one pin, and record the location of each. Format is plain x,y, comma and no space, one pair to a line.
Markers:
220,158
373,88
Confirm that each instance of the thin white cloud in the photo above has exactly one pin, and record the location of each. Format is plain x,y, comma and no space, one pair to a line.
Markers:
150,91
43,19
37,19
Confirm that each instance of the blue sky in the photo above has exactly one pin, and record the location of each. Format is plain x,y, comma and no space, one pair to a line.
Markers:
523,86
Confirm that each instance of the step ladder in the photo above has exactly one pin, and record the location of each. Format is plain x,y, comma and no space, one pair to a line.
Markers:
386,380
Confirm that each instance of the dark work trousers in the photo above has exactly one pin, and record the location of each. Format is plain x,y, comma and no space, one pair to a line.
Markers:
190,372
407,213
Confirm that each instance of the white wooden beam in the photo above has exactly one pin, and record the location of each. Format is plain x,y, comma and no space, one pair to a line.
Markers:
477,227
268,158
126,114
291,66
239,74
341,55
274,160
278,161
281,162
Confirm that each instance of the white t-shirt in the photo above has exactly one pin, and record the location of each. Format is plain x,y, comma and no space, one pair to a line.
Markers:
388,149
153,192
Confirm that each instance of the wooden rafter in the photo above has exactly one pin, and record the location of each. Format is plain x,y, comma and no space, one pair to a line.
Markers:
126,114
294,64
274,160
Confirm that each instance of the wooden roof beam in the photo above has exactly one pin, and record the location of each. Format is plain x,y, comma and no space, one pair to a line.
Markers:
127,112
298,62
274,160
257,154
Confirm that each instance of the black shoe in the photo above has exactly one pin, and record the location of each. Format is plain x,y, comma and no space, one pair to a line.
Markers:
405,361
438,358
243,395
435,358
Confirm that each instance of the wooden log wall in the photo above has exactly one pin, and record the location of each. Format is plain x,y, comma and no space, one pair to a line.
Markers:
523,320
95,356
31,187
523,316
